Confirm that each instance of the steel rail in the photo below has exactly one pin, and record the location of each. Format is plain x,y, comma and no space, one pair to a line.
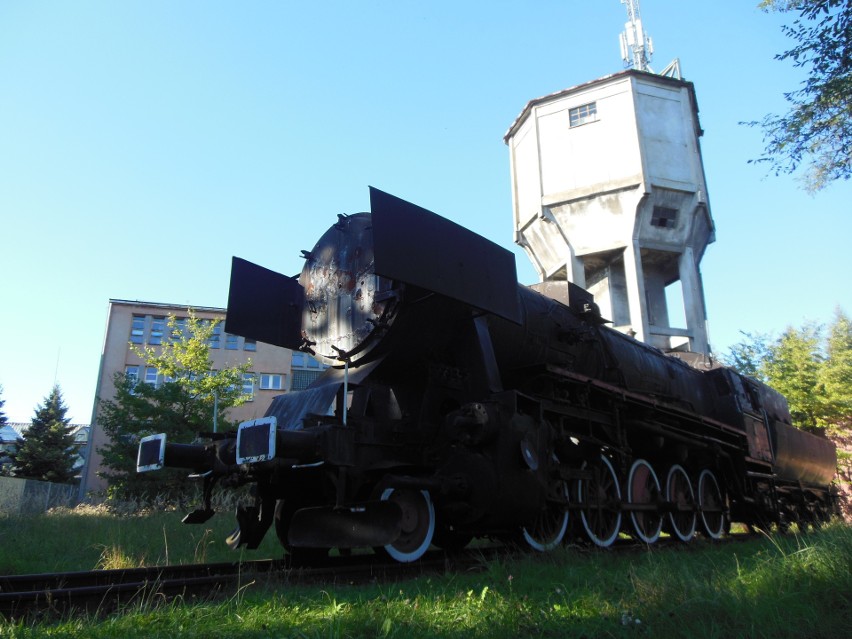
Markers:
104,591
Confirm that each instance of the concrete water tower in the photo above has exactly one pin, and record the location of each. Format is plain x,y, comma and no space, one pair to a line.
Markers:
609,192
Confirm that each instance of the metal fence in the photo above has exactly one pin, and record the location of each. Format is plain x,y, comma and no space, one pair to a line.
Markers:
31,497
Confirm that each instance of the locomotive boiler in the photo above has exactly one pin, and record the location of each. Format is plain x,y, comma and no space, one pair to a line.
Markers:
460,404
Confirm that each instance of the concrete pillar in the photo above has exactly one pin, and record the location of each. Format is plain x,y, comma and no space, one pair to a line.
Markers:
635,281
693,301
655,294
574,268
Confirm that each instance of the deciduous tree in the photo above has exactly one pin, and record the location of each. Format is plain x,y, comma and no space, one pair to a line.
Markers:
748,355
836,373
792,367
811,366
181,406
817,129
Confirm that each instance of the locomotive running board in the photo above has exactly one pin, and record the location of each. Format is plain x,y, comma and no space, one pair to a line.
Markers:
375,523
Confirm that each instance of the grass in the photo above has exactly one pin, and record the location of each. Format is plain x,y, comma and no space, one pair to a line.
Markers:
791,586
88,538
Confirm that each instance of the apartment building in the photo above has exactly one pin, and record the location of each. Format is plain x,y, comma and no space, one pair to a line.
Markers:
274,370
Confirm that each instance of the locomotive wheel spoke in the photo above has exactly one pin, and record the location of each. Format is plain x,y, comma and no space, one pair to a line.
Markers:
682,519
600,497
643,487
548,530
711,505
418,523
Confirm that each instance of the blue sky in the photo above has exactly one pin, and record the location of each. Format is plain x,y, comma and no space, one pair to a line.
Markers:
142,144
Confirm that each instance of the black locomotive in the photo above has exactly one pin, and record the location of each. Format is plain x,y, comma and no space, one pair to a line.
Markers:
461,404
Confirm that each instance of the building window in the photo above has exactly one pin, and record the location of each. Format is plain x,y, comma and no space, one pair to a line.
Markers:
271,381
231,342
583,114
158,327
151,375
663,217
216,338
305,370
302,379
131,373
248,384
137,329
179,330
250,344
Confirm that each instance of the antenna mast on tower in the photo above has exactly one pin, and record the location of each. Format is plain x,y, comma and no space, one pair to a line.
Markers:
636,46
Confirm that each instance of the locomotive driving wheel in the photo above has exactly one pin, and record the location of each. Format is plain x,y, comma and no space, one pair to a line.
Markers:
418,523
643,489
600,500
711,505
682,519
549,528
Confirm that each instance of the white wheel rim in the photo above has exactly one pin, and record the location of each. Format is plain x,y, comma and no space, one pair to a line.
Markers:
545,546
680,534
635,517
708,476
415,554
603,542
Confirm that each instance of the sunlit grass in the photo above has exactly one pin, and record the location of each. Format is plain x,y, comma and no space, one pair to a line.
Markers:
770,586
89,538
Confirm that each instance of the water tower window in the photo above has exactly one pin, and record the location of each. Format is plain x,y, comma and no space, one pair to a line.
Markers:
583,113
664,217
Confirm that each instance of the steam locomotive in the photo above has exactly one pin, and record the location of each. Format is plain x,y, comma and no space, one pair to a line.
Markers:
460,404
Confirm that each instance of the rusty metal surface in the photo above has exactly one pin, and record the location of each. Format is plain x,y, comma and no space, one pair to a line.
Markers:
801,456
347,305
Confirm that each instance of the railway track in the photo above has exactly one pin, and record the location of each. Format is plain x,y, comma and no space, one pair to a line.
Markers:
103,591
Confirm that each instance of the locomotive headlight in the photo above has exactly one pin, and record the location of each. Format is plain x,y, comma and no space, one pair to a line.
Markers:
256,440
152,452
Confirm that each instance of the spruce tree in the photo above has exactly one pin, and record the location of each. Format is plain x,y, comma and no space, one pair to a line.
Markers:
46,452
5,452
3,419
